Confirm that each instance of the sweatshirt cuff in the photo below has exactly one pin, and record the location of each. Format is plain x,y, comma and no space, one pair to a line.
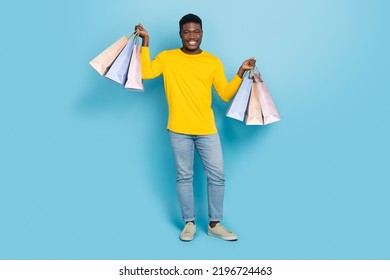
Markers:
236,77
145,48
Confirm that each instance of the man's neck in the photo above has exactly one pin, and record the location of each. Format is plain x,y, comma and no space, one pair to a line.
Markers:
190,52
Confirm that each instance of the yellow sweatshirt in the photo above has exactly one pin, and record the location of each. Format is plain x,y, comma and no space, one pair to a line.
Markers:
187,81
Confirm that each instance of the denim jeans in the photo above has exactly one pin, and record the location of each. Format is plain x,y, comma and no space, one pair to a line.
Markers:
210,153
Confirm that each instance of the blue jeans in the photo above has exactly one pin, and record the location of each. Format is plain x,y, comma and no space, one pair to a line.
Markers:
210,152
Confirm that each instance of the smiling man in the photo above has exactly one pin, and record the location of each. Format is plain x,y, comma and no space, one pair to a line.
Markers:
189,74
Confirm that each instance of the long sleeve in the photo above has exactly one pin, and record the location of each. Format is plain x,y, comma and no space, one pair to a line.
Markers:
150,69
188,81
226,90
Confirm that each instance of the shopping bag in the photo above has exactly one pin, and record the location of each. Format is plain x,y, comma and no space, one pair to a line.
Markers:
254,114
118,70
134,76
270,113
239,104
104,60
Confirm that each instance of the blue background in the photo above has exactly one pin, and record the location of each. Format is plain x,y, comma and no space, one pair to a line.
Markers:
86,166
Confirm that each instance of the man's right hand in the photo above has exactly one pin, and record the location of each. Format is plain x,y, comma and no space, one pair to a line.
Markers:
143,34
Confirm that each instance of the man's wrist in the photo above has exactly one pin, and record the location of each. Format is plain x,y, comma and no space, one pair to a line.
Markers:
145,41
241,72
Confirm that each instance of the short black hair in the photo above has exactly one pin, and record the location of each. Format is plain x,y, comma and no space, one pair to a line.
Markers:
190,18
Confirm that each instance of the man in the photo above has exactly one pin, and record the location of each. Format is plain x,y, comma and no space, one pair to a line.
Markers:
189,72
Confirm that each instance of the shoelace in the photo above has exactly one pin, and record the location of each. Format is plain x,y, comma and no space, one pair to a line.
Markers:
188,228
223,229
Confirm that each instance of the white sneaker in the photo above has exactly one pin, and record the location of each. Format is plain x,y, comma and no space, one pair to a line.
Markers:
221,232
188,232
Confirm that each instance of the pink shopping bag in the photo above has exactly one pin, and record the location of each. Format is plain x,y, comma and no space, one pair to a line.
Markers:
254,115
270,113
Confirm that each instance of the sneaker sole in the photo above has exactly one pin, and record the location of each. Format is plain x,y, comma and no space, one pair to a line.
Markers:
186,239
231,238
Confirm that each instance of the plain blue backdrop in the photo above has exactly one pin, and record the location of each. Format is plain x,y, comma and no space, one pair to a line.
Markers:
86,169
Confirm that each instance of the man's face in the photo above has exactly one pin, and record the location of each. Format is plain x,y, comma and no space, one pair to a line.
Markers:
191,37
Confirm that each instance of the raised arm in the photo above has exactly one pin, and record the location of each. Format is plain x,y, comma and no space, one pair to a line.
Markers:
225,89
150,69
143,34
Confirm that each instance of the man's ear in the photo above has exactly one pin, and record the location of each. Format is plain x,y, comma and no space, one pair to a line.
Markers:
180,34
